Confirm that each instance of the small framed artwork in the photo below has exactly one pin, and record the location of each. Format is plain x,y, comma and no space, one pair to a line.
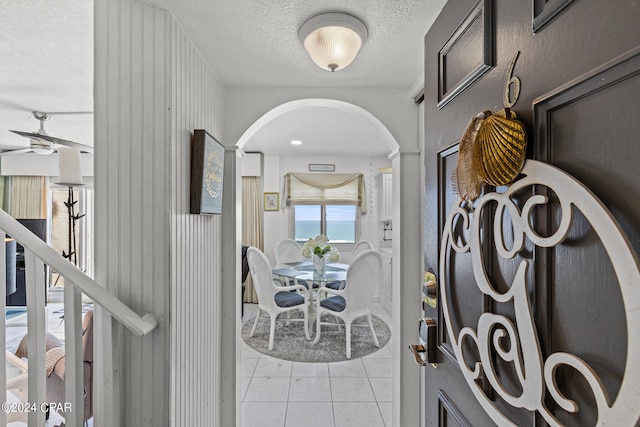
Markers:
271,201
322,168
207,171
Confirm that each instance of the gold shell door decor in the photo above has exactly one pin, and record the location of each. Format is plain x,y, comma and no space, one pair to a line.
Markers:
466,180
492,150
500,150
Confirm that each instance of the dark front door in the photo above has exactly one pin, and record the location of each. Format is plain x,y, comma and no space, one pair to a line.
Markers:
562,348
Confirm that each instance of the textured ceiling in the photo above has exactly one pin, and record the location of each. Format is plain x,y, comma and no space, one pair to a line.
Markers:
47,60
47,65
257,40
255,43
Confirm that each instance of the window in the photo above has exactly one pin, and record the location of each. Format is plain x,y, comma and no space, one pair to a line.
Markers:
326,204
337,222
326,190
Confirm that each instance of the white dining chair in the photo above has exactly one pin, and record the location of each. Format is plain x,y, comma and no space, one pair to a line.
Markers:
362,245
273,298
287,250
354,301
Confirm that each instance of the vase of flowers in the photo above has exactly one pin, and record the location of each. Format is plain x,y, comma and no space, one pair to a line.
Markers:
319,265
318,250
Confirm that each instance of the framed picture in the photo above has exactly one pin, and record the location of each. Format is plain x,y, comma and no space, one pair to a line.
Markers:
207,171
271,201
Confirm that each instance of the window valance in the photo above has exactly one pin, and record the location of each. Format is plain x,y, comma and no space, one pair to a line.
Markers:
324,189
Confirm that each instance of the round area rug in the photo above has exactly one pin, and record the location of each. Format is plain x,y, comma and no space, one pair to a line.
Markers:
289,342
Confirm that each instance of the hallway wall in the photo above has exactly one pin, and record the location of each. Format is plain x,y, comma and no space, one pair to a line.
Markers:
152,90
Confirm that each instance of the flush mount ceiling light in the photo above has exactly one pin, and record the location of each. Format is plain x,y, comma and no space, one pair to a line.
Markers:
333,39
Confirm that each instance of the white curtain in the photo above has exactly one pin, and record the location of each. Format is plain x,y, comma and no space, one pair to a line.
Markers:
327,189
28,197
252,234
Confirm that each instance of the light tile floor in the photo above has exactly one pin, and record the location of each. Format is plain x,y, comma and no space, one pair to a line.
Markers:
352,393
280,393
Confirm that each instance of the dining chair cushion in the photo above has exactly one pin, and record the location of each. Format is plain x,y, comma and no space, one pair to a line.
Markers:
288,299
306,285
335,303
335,285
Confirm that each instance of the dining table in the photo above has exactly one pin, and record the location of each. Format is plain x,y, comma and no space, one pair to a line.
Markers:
302,273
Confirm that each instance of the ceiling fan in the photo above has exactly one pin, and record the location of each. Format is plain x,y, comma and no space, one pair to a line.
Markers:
41,142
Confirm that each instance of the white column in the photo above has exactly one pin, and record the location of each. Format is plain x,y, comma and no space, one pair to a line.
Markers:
229,409
408,196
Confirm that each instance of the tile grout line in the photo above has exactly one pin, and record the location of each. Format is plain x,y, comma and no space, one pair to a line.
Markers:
333,409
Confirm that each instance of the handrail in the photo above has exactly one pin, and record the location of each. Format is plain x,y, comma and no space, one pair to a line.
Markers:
120,311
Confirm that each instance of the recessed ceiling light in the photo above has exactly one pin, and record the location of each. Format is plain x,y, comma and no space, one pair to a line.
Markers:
296,142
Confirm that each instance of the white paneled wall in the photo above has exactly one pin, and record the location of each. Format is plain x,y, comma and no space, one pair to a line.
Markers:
197,103
131,222
152,88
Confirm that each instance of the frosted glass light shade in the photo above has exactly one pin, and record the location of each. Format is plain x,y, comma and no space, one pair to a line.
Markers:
41,147
69,170
333,39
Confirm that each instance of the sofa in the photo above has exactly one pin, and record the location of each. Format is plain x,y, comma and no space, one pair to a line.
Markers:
55,369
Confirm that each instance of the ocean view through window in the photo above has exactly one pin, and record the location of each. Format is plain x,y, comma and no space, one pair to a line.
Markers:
338,223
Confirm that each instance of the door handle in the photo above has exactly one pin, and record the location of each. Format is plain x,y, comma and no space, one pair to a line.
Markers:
425,352
419,352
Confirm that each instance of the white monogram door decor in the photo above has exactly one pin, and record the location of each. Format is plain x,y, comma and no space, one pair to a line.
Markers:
516,341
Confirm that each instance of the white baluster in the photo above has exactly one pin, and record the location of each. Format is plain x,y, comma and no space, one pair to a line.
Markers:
74,382
34,283
3,326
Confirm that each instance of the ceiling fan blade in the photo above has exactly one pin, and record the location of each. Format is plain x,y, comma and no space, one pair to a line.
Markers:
26,134
33,135
14,152
83,148
68,113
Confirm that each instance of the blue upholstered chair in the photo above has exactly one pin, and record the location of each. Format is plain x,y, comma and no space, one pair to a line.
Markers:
273,298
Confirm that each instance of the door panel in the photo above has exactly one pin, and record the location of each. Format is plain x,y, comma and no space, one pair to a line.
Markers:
449,413
579,101
600,108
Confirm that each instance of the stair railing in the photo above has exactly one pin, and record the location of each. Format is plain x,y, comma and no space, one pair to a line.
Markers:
37,253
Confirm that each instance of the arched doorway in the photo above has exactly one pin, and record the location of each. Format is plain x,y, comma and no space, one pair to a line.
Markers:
320,102
393,151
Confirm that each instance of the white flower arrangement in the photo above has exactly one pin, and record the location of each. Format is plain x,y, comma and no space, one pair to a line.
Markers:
318,246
